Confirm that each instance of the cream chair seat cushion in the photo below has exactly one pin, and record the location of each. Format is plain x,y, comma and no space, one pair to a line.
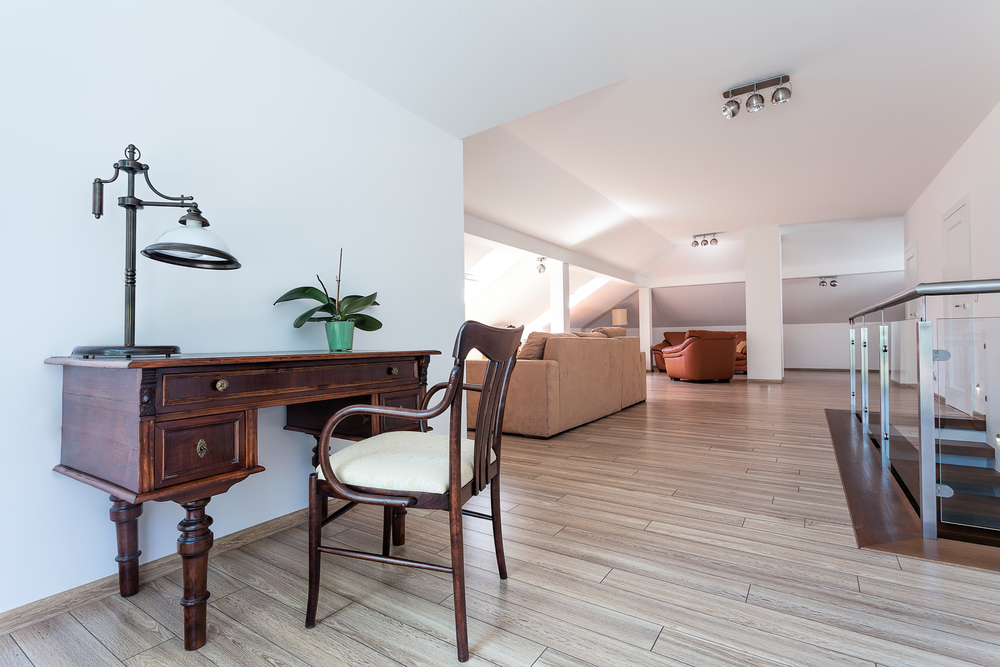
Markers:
401,461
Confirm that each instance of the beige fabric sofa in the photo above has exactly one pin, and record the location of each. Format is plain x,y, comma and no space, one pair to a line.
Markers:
576,381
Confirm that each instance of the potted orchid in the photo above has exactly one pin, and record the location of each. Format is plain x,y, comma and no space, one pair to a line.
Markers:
341,316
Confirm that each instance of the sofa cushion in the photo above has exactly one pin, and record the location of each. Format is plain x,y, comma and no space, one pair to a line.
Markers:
534,347
592,334
610,332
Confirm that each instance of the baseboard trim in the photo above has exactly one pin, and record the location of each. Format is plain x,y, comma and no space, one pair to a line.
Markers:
53,605
821,370
759,381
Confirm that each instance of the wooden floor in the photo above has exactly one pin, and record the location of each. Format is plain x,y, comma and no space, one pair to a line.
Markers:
707,526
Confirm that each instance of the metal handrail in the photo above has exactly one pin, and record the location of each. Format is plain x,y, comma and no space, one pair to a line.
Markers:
950,288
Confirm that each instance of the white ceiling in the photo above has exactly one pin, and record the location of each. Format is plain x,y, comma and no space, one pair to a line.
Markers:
884,93
595,126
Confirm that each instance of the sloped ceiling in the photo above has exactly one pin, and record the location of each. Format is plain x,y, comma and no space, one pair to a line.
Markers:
462,66
508,182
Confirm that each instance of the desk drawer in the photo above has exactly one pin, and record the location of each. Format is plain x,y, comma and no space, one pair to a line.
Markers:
188,449
225,386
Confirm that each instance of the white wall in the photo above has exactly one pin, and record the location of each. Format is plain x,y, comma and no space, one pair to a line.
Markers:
823,346
289,159
973,171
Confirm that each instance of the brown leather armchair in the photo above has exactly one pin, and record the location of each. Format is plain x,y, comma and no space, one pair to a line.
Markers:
670,339
703,356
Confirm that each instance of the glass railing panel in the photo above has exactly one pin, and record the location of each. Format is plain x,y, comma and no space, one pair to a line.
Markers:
967,424
904,407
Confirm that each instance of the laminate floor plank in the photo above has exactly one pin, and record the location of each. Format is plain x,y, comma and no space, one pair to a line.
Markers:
169,654
121,626
11,654
705,527
321,645
60,641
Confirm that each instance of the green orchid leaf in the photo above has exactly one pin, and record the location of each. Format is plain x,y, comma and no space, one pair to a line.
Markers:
304,317
364,322
302,293
355,303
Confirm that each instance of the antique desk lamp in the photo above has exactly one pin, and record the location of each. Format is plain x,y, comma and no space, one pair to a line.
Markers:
192,245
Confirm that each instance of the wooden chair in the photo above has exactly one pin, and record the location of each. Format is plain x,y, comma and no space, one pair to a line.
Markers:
403,469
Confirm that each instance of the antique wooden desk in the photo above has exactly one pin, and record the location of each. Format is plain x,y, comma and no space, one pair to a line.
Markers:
184,428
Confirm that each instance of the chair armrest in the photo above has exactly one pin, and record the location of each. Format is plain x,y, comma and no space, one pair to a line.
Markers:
677,350
323,446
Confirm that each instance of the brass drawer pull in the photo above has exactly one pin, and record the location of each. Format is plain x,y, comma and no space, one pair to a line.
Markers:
221,385
202,447
393,370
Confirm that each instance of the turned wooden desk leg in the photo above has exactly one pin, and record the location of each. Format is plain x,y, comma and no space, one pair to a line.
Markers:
193,545
126,518
398,526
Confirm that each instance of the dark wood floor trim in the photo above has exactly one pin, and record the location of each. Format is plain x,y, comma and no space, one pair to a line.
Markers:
879,509
882,516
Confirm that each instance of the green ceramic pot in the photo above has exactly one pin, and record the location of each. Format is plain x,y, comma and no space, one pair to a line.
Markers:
340,335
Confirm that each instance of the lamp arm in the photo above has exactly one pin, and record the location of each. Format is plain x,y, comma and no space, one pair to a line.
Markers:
182,198
97,197
178,204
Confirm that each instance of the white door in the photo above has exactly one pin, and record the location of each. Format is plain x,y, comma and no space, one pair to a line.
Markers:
956,332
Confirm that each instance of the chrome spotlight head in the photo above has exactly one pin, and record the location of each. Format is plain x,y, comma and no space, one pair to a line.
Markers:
755,103
541,264
781,95
822,283
833,283
704,242
714,241
694,244
730,108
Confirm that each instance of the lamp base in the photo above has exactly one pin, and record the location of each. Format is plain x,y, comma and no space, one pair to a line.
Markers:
92,351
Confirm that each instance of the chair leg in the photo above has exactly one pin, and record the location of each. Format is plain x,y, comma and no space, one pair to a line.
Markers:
497,533
398,526
315,532
386,528
458,577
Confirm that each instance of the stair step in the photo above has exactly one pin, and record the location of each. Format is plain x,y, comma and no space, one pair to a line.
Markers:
988,478
965,448
960,423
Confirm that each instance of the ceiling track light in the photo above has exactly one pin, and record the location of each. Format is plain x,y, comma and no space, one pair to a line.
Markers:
705,241
823,281
755,102
541,264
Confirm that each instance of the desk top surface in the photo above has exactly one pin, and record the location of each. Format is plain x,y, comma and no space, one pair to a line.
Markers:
209,359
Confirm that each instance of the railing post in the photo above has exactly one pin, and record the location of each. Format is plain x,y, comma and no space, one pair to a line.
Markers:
928,466
864,379
883,371
854,373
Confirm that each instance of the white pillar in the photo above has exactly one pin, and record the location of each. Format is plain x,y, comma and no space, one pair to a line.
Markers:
765,344
646,323
559,295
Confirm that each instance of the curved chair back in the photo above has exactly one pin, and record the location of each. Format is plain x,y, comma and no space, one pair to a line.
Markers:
499,346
